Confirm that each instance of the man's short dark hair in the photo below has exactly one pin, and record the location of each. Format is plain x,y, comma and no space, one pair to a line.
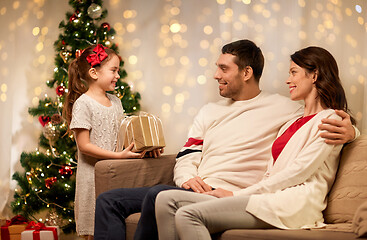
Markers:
247,54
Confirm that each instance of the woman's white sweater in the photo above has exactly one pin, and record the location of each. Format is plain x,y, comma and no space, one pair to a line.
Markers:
293,191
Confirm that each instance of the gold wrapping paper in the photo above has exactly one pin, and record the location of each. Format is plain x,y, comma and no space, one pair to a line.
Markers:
15,231
145,131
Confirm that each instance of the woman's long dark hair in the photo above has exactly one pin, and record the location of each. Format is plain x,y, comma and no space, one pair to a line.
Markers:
328,84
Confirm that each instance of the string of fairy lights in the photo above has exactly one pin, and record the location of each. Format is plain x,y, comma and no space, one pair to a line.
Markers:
51,131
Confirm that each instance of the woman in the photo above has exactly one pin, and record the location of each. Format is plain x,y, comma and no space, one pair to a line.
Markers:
293,191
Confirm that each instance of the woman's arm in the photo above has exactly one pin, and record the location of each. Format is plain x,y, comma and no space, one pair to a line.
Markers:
88,148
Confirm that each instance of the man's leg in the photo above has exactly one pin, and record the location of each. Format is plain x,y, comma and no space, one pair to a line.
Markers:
112,208
147,226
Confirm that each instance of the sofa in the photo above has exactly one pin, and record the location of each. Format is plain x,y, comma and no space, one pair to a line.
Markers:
344,212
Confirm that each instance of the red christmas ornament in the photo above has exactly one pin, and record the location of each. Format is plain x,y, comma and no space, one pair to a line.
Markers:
50,181
60,90
63,42
73,17
44,120
106,25
65,171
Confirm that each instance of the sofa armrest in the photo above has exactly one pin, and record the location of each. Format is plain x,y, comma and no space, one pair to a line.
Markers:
129,173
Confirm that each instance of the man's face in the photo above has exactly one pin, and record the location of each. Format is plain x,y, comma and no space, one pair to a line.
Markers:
231,84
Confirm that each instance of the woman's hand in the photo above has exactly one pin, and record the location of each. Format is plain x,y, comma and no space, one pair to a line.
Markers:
220,193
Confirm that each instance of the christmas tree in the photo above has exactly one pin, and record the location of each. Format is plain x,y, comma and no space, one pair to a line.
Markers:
48,182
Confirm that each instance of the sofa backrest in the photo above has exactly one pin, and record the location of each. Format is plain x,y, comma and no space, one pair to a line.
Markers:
350,187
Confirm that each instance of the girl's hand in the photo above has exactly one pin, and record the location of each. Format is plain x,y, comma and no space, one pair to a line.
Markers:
155,153
220,193
127,153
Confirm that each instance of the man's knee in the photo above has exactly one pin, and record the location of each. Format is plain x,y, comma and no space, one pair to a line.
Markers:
103,199
153,191
122,202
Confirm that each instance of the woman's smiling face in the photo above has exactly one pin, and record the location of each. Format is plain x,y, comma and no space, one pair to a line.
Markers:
300,82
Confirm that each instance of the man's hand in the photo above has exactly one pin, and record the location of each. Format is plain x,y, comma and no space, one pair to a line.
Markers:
197,185
220,193
338,131
155,153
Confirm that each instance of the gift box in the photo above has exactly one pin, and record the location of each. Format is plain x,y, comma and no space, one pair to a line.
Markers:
38,231
145,131
12,229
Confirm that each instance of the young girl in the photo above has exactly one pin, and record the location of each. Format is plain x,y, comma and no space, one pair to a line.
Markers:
292,194
94,116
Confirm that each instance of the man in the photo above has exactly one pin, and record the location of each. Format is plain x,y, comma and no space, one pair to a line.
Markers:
228,145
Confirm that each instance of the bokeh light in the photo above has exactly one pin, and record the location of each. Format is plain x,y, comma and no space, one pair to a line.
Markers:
358,8
175,27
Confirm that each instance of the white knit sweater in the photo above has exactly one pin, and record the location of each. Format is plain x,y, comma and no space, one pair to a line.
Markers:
293,192
230,141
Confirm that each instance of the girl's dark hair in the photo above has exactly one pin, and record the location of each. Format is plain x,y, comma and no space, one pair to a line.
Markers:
79,78
328,84
247,54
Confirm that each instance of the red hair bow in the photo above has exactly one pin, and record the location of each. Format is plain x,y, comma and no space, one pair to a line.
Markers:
97,57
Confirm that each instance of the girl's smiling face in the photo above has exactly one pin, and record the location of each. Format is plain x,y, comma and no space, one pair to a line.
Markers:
108,74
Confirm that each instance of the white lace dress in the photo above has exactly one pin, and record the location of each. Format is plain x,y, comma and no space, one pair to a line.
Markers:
103,123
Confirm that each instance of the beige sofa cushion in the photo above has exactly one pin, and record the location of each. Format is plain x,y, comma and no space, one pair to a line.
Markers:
350,187
130,173
360,221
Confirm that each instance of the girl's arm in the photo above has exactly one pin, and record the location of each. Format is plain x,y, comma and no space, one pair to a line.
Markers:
88,148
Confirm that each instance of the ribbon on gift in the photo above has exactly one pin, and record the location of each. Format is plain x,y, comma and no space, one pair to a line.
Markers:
153,123
17,220
38,227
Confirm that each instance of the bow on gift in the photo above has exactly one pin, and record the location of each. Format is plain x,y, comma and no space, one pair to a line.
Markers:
17,220
97,57
38,227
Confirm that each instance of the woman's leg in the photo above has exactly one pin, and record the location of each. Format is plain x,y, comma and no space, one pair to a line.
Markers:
167,203
199,220
199,215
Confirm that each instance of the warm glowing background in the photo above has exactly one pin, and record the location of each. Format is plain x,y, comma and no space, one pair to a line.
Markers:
170,48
